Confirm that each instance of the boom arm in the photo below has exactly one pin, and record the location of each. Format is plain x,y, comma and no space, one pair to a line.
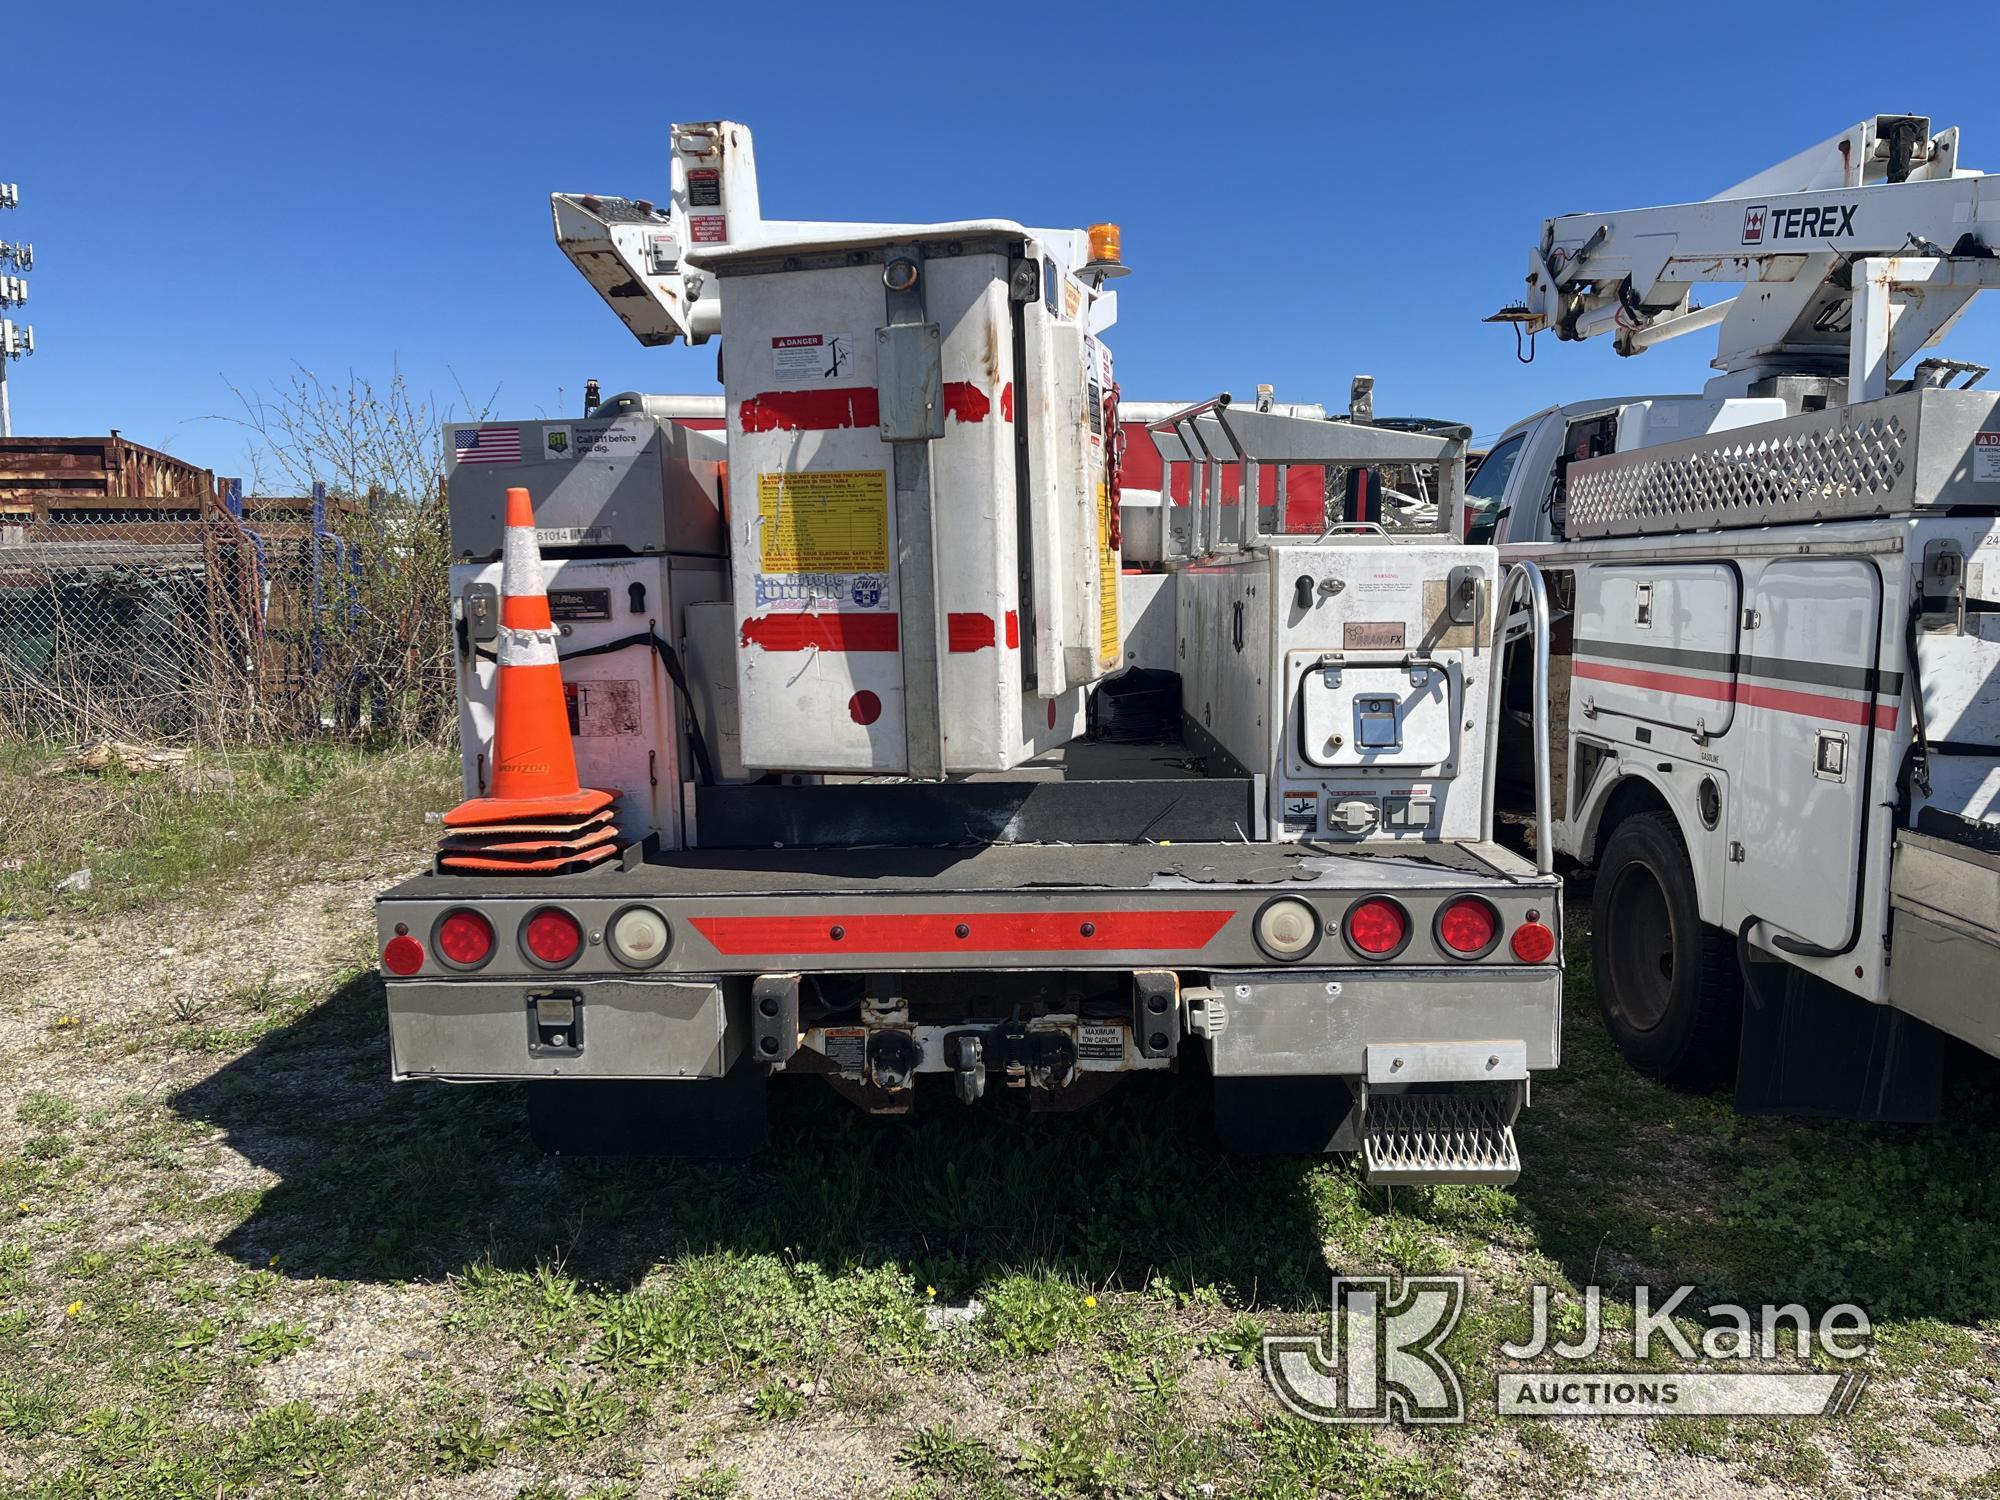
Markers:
1853,255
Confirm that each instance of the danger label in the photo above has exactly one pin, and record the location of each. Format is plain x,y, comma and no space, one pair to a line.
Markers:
824,521
1301,809
812,356
1986,458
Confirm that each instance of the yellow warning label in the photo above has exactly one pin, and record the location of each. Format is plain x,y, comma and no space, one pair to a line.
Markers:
1107,584
824,521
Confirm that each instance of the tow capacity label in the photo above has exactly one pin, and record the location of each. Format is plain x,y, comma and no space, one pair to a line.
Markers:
1101,1043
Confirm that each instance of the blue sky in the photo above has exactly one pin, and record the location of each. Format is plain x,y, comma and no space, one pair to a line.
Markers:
216,192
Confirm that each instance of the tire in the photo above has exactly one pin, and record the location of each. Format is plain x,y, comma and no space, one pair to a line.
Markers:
1667,983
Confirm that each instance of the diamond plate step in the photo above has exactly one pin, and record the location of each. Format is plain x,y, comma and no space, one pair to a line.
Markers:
1439,1138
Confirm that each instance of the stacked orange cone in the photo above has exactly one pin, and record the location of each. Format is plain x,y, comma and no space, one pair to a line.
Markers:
538,820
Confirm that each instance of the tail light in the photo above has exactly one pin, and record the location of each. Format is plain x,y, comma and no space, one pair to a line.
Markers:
1467,927
1533,942
463,939
1376,927
552,938
402,954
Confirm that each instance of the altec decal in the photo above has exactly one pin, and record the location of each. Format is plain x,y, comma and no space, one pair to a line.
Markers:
968,932
1832,221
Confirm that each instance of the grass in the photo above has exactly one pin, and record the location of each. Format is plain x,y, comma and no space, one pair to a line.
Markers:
205,826
278,1274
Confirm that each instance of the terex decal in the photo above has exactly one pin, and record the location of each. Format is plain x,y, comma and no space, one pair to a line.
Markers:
1832,221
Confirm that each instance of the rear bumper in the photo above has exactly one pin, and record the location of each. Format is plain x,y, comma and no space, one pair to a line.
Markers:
1444,1026
1330,1021
1068,960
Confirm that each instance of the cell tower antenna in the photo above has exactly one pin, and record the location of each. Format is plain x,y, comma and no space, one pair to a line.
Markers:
17,341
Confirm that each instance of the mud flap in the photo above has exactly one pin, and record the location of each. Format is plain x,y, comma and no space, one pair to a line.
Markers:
709,1118
1810,1048
1292,1114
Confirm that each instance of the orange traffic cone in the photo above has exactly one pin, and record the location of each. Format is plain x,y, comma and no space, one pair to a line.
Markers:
534,779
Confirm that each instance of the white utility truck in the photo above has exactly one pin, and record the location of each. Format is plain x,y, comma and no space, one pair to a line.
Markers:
1776,665
839,639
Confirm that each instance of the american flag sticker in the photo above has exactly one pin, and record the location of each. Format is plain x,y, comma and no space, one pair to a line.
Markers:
487,445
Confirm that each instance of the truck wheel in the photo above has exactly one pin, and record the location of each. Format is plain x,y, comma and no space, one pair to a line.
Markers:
1667,983
714,1118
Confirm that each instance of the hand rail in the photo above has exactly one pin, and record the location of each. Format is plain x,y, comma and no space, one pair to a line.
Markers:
1523,576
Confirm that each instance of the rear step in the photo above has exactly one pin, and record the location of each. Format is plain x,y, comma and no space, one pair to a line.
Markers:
1411,1138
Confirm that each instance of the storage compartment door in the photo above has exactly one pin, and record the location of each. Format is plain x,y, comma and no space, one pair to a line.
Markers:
1657,645
1804,727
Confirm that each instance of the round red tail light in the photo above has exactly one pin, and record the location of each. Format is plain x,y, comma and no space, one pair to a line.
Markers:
552,937
1377,927
464,939
402,954
1533,943
1468,927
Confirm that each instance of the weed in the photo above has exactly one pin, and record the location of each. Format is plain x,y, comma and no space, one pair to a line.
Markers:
464,1445
1032,1314
273,1341
44,1110
570,1413
710,1483
1241,1343
939,1453
777,1401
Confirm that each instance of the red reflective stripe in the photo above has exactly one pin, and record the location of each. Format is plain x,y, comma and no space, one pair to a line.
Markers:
851,406
811,411
525,612
796,631
1013,630
1756,695
1666,682
1817,705
986,932
1007,402
970,631
966,401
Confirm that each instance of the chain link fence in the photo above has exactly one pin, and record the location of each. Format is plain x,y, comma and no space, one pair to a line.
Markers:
200,624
